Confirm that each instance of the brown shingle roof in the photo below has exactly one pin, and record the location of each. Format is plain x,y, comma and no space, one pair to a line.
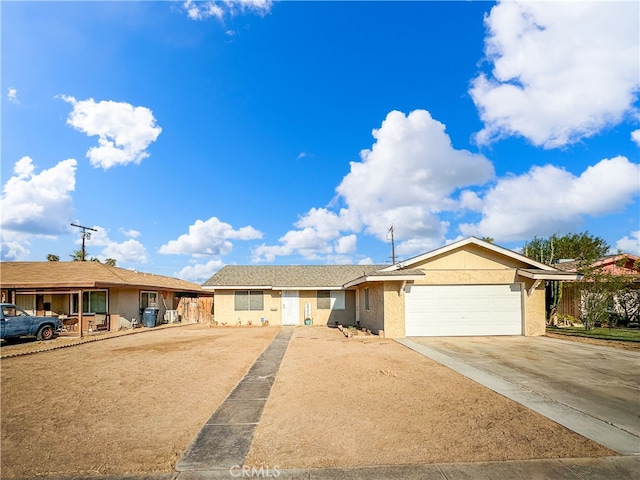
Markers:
285,276
84,275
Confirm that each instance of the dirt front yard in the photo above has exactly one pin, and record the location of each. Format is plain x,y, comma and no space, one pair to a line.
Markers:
123,405
133,404
371,401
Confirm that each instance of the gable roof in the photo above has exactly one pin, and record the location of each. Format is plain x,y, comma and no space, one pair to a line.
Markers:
287,277
85,275
470,241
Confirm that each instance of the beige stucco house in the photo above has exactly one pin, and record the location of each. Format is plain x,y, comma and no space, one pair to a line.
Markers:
469,287
86,291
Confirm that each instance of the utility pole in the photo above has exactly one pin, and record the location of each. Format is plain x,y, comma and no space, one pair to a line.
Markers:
85,236
393,246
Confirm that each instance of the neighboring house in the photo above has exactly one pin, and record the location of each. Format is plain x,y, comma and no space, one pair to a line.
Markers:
92,292
469,287
572,300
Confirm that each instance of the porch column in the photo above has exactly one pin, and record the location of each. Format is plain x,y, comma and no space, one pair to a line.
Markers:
80,308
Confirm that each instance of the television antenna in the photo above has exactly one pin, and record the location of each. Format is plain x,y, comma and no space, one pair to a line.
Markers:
85,236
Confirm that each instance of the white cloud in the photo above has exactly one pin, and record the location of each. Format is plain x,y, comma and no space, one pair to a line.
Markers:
38,203
630,244
302,155
210,237
12,95
346,244
548,200
201,10
13,249
635,136
407,177
200,273
562,71
470,201
124,131
413,246
127,251
35,205
129,233
318,234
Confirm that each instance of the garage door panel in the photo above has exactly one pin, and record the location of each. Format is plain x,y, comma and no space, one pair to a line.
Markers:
464,310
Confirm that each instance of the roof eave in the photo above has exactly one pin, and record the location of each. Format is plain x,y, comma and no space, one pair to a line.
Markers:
382,278
547,275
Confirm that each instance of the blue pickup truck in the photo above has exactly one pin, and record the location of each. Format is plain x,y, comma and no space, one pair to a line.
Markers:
15,322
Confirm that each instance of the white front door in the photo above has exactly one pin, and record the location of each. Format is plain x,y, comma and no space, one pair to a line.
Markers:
290,307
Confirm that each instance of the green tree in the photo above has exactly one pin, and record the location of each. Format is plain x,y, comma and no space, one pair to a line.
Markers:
52,258
110,261
581,247
607,298
77,256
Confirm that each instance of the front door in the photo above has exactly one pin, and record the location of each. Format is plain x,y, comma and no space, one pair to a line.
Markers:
290,307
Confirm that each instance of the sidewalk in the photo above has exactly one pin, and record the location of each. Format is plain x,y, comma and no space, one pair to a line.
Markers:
607,468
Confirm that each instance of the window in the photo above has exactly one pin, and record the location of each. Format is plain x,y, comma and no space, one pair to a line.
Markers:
337,300
324,300
92,301
26,302
366,299
330,299
148,299
252,300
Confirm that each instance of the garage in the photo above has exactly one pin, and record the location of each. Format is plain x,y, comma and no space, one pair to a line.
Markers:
463,310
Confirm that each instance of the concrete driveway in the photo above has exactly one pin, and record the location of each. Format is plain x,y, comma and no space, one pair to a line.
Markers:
567,378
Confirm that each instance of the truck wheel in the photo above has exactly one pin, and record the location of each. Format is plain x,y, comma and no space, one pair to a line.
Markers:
45,333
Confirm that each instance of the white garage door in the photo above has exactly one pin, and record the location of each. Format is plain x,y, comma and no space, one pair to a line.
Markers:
448,310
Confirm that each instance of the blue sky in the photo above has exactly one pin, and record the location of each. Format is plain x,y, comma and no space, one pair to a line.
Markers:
193,135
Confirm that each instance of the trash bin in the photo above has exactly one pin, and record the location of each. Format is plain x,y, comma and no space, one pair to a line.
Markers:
150,317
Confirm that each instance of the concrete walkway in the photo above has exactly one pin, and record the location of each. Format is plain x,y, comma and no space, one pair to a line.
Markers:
224,441
589,426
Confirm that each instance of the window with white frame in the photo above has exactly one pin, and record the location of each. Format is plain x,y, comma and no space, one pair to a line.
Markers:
93,301
148,299
366,299
252,300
